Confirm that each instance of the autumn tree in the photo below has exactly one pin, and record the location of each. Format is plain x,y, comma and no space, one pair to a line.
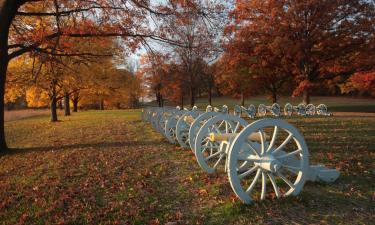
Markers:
304,36
199,38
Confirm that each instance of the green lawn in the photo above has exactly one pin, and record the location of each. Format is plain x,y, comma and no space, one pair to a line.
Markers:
109,167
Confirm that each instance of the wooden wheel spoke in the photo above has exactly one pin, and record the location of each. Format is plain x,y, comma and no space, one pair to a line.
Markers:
286,141
262,141
236,128
212,156
288,182
250,171
218,161
274,137
264,184
289,154
253,149
275,187
255,180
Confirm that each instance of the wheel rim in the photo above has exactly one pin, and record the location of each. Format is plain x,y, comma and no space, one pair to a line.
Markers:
281,164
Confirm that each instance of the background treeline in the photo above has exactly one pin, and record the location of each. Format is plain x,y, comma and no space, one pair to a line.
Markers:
273,47
92,81
203,49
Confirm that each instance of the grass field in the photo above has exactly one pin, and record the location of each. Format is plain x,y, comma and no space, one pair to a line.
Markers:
109,167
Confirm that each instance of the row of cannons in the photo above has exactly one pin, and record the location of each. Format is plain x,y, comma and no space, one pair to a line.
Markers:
289,110
267,157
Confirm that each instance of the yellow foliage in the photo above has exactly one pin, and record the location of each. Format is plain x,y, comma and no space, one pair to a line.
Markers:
36,97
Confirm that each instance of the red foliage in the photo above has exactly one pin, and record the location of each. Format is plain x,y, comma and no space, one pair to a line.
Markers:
364,81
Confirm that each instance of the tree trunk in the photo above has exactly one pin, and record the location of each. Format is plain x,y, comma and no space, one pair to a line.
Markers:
306,97
210,95
53,107
192,97
158,99
101,105
66,104
182,101
75,104
8,9
3,69
242,99
274,97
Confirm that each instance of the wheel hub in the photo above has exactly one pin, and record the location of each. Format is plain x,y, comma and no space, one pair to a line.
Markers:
269,163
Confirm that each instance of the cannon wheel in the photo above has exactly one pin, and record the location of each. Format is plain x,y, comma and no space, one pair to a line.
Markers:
284,161
322,110
288,109
310,110
262,110
209,153
163,119
170,126
182,128
196,125
275,109
301,109
154,117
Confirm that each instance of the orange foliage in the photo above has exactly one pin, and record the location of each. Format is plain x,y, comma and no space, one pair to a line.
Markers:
364,81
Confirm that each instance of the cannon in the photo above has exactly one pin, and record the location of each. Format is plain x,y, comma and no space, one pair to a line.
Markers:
270,148
274,109
300,109
322,110
250,111
267,155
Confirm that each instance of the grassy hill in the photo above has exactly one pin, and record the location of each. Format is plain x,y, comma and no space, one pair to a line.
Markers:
109,167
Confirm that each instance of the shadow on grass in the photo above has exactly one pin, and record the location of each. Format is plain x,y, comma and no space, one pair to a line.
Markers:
315,205
83,146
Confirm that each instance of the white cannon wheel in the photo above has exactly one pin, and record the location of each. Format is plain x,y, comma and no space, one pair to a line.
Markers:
209,153
284,160
196,125
251,111
155,118
275,109
163,119
322,110
170,126
237,110
301,109
262,110
310,110
183,127
288,109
